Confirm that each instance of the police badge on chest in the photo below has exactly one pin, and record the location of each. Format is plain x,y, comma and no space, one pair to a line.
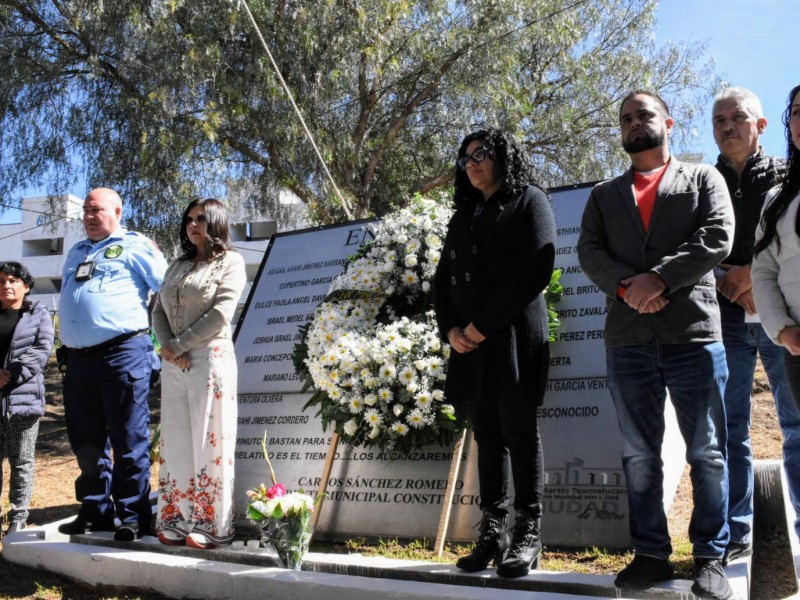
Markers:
85,270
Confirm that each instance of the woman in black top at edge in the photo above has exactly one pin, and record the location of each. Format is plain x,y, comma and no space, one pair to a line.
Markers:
496,261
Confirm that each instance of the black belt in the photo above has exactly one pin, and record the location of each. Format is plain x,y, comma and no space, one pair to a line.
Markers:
116,341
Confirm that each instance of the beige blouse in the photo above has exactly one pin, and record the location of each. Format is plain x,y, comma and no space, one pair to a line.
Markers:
197,301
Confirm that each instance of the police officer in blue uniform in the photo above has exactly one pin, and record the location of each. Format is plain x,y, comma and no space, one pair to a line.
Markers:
104,320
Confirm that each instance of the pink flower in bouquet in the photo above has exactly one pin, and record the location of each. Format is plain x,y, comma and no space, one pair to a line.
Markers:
276,491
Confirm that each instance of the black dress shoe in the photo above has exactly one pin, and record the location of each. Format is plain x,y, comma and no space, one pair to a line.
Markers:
79,526
127,532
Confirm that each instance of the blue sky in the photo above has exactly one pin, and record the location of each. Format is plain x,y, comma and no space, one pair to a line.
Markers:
753,45
751,41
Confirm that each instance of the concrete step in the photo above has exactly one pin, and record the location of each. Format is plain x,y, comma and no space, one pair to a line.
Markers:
226,574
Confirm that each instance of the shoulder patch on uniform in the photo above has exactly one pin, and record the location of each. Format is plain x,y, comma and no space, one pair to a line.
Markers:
143,240
113,251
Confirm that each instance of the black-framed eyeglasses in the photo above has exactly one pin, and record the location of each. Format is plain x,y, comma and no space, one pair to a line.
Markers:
477,157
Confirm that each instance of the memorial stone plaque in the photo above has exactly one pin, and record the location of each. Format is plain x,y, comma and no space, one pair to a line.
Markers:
372,493
293,279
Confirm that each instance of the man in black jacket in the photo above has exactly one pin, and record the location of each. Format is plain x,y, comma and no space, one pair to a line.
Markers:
738,122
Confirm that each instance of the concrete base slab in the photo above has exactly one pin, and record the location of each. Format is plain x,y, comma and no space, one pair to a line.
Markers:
226,574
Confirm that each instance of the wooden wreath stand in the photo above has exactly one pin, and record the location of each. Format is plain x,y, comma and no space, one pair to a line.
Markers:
447,505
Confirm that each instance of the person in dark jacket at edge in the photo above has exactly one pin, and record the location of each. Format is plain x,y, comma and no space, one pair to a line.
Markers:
738,121
496,261
26,339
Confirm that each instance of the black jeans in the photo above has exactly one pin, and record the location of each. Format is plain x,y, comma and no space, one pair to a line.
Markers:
507,435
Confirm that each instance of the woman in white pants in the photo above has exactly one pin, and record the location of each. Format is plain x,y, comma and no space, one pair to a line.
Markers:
192,320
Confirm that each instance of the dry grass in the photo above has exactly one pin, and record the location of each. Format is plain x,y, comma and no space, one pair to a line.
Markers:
54,499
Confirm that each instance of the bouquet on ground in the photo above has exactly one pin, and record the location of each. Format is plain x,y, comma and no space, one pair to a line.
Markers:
284,518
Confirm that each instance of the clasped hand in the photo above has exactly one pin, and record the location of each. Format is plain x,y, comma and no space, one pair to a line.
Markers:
182,361
465,340
643,292
737,286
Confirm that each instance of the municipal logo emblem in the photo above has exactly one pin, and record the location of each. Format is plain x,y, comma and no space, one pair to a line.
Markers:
113,251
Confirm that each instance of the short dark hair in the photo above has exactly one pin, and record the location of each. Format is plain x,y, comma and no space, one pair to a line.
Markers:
18,271
642,92
511,165
217,231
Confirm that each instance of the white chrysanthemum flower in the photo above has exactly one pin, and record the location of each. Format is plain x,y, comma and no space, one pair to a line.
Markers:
423,400
415,419
433,241
406,375
373,417
399,428
385,394
387,371
356,405
350,427
410,278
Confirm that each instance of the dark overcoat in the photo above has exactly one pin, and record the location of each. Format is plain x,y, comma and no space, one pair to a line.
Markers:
495,264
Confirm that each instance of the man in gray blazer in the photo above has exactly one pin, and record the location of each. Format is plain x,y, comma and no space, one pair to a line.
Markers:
650,240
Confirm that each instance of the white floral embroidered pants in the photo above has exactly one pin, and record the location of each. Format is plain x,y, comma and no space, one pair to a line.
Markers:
198,439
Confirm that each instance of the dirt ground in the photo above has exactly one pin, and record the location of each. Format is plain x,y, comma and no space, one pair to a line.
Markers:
53,498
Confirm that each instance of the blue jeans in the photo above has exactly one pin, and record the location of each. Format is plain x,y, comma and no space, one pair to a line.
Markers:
694,373
743,341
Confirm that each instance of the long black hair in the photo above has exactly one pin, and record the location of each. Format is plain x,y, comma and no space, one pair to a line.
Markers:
511,166
789,186
217,232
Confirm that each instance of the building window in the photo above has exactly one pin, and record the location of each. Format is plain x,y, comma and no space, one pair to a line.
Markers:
43,247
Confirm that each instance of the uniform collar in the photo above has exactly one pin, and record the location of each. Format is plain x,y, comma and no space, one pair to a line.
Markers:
117,234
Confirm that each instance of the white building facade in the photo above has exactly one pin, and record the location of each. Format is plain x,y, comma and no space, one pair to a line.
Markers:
50,227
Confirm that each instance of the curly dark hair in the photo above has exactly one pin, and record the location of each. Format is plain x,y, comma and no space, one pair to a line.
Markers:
789,186
511,165
217,231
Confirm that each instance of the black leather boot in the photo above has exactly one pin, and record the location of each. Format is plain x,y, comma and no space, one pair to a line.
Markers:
490,546
525,549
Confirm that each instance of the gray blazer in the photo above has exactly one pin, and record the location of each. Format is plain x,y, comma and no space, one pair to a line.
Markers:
691,231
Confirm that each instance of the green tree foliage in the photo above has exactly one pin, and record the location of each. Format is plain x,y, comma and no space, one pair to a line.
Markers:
165,99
